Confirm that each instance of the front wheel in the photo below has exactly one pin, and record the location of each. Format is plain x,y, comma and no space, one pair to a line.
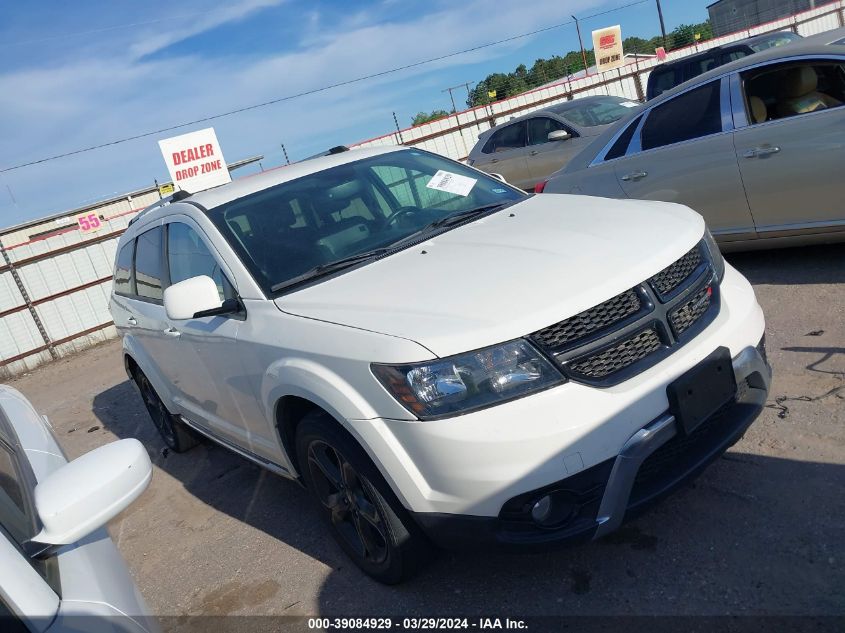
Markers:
365,517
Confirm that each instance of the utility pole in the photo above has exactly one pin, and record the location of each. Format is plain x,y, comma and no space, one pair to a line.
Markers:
287,160
662,25
398,131
581,43
449,90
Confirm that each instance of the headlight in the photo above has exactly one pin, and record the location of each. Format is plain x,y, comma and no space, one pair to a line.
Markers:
715,254
470,381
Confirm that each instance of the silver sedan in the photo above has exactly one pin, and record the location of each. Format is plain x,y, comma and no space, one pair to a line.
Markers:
756,146
528,149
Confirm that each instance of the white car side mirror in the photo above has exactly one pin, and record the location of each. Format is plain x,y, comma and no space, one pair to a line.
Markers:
559,135
85,494
185,299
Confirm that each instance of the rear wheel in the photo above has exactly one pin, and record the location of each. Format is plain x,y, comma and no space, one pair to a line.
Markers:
178,437
365,517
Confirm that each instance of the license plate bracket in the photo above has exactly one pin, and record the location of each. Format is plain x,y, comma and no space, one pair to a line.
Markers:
702,390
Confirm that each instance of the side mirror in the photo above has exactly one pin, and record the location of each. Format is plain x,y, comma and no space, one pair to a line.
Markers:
85,494
559,135
499,177
194,297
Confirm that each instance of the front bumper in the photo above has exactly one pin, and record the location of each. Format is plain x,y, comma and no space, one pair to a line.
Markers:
655,461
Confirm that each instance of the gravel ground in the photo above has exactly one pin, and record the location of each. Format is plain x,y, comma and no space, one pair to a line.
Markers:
760,532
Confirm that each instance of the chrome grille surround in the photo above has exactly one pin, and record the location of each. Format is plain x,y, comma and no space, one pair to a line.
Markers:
621,337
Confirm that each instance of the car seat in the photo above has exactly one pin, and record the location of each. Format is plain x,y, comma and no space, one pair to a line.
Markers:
799,94
759,112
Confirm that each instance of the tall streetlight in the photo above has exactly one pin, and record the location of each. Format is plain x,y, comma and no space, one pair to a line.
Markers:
581,43
662,26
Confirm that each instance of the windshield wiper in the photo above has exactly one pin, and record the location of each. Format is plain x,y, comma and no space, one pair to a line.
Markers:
451,220
330,267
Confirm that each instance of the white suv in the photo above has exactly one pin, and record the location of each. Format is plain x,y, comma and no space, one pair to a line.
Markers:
439,357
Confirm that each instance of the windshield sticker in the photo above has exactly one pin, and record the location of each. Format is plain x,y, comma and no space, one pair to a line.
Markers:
629,104
451,183
499,190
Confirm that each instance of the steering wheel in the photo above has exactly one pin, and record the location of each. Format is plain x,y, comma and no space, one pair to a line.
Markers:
398,213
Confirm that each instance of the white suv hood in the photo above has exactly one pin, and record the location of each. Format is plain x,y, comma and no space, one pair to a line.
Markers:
508,274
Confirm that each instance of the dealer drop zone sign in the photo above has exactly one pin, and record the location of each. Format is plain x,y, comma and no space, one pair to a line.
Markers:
195,160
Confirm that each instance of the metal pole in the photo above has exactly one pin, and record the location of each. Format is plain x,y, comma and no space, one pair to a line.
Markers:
452,97
662,25
29,305
287,160
469,98
581,43
398,131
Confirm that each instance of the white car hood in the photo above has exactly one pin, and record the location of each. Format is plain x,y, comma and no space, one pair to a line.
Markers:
508,274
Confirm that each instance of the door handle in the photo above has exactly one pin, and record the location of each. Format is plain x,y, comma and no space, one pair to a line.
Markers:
635,175
759,152
172,331
534,152
132,321
494,160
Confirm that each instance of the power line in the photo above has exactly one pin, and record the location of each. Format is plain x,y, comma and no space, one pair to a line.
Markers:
306,93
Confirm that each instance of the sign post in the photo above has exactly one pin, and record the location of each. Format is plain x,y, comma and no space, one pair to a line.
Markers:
195,160
607,44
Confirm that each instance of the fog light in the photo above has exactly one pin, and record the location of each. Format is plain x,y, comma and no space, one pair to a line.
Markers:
542,509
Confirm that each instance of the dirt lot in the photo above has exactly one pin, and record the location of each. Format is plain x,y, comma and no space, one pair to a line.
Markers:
760,532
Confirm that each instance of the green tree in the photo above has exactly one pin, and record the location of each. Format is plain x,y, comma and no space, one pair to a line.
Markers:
557,67
425,117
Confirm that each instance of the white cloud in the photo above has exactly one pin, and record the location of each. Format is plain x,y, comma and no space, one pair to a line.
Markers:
158,39
97,98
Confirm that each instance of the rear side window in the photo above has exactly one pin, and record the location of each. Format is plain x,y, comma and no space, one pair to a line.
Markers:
508,138
665,79
688,116
148,264
123,269
621,145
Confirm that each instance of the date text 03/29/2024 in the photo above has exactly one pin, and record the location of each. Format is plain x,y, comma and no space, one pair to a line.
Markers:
413,624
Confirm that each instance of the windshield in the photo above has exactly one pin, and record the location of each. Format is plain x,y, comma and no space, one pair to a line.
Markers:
776,40
602,112
288,230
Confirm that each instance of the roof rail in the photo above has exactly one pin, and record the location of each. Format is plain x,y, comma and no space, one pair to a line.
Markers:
176,196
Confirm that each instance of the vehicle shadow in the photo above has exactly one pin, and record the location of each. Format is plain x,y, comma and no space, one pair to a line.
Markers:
221,479
745,538
792,266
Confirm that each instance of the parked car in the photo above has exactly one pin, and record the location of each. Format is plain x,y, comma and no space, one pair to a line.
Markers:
528,149
59,570
756,147
439,357
673,73
833,36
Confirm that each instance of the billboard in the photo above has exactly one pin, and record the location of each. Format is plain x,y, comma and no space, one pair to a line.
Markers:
195,160
607,45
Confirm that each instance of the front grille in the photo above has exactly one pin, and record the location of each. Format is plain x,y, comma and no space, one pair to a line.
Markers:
590,321
684,317
637,328
668,279
618,357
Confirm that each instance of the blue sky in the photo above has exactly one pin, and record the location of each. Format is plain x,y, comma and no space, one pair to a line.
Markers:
79,74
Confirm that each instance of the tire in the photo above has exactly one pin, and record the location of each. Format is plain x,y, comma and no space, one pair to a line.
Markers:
178,437
365,517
